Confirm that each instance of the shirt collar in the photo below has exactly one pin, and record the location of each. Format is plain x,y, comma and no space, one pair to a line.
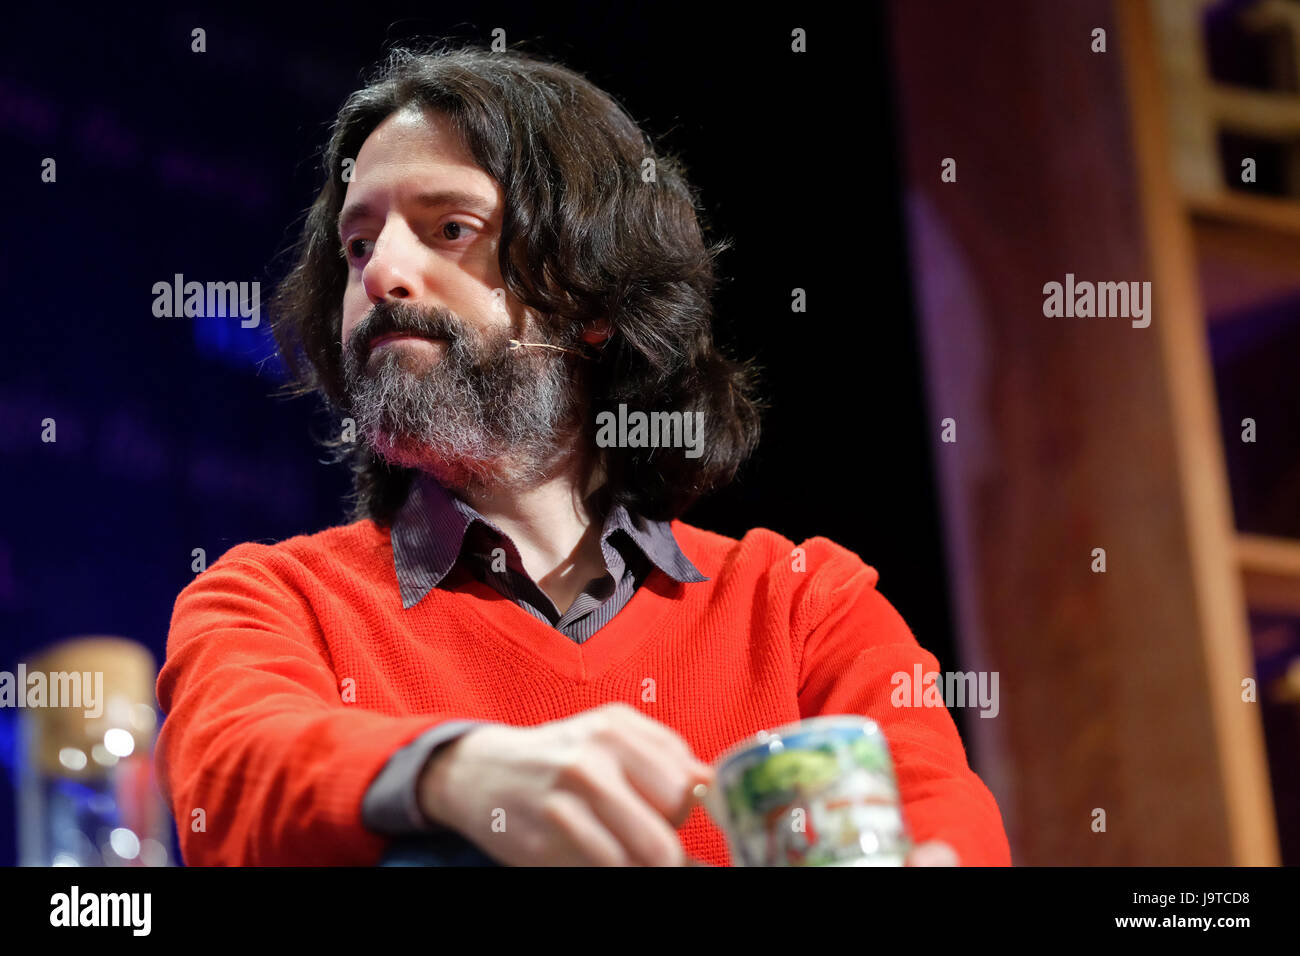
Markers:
430,528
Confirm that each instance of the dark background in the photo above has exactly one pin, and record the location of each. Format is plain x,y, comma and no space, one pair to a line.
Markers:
170,161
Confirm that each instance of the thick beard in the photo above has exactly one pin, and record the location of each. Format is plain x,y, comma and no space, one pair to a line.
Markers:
482,416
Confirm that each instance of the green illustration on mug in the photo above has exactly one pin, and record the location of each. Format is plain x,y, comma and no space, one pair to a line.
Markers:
817,793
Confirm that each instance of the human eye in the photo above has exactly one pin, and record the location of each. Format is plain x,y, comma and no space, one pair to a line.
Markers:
354,250
454,230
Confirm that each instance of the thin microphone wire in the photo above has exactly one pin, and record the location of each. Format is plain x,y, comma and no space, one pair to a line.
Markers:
516,344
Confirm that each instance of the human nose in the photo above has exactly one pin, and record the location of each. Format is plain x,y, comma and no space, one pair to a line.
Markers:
393,270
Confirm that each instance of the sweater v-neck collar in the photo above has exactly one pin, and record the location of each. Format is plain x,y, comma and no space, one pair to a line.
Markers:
640,621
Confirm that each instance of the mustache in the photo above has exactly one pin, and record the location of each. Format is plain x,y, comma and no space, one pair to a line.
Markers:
389,318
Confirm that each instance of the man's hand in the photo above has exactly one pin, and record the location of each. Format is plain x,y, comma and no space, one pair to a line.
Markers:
933,853
607,787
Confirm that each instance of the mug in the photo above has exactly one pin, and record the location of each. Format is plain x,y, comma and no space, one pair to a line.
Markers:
819,792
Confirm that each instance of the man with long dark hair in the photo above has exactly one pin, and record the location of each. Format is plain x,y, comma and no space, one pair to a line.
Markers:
503,291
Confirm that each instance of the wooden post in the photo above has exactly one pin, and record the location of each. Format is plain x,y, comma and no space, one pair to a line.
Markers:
1074,434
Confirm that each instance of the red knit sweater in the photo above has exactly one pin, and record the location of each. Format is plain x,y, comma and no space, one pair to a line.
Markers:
269,645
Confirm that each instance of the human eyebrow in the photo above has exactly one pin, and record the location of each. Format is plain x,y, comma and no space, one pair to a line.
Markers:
428,200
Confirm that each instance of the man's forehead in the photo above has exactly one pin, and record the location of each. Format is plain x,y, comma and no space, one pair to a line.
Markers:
412,136
418,154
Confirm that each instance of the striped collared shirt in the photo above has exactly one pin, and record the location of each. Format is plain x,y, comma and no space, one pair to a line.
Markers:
435,532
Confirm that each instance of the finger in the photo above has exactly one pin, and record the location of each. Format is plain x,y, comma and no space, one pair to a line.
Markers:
933,853
663,777
660,732
638,827
585,839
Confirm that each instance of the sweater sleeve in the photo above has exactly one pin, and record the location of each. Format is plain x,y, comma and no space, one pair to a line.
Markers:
261,760
854,643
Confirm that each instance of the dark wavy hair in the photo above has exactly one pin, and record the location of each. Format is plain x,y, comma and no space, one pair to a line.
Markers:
584,238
